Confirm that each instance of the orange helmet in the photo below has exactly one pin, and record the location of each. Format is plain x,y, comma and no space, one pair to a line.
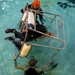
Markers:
36,4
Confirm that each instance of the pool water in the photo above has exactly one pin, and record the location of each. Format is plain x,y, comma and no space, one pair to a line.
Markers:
10,16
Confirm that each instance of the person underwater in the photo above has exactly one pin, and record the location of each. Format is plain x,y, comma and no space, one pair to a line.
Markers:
30,69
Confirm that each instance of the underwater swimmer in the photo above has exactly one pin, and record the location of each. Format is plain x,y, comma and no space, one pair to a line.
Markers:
30,69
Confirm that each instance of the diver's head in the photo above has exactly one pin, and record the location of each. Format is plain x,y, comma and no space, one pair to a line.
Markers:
36,4
32,62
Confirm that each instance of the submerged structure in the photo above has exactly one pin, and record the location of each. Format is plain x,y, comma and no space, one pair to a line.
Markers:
55,25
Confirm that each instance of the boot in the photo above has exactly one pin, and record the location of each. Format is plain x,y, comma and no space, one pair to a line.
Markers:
9,30
9,38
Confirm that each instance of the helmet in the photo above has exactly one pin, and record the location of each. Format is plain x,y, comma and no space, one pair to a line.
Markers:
36,4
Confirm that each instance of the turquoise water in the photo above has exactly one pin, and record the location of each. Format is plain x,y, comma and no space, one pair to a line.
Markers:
10,16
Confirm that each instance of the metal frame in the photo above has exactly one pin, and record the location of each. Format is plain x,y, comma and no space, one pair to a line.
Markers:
57,37
53,37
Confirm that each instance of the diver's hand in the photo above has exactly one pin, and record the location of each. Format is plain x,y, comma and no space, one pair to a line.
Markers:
15,57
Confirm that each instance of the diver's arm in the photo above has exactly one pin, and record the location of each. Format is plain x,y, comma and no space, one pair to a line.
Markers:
41,16
17,66
15,63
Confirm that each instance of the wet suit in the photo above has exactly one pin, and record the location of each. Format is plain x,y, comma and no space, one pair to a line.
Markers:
31,71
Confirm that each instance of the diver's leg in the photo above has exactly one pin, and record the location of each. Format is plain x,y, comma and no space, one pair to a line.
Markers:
10,38
9,30
41,28
16,33
16,43
19,35
22,36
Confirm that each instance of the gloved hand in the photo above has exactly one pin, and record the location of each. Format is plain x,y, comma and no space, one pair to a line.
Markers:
15,57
